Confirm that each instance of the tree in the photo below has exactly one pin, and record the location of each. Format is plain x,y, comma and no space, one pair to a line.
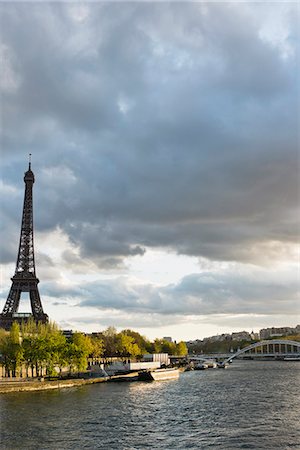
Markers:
97,347
11,349
181,349
54,348
110,339
4,336
143,343
44,347
79,350
163,346
127,346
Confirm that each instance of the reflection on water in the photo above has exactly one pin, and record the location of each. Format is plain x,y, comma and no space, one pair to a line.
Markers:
252,405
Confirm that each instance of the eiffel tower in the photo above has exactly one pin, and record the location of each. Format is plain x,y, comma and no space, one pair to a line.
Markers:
24,279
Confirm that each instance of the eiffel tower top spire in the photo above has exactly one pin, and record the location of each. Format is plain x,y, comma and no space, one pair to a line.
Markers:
29,175
24,279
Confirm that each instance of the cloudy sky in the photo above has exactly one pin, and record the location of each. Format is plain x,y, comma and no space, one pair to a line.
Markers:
165,146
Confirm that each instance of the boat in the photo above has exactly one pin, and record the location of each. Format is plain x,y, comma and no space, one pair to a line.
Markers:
291,358
158,374
222,365
201,366
211,364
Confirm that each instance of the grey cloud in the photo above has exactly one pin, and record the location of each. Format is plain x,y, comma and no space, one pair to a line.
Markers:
56,289
127,320
45,260
208,293
203,159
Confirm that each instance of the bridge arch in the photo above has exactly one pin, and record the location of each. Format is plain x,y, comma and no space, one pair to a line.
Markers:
267,344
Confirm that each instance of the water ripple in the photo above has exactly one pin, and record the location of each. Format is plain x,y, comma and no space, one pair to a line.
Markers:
252,405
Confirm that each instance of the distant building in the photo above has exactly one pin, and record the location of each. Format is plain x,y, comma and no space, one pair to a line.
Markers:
217,338
241,336
168,338
267,333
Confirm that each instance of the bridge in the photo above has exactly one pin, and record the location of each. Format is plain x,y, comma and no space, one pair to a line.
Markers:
271,348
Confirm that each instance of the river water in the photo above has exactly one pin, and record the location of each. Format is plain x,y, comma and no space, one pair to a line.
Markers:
251,405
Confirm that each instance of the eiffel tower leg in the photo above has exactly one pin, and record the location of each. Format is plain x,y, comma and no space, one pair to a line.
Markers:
12,303
36,305
11,306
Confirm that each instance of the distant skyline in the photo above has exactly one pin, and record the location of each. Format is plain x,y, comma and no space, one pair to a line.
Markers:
165,147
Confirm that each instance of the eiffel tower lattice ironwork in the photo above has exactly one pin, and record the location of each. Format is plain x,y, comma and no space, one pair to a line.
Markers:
24,279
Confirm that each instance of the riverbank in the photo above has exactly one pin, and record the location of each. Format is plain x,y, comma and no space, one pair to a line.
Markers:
37,385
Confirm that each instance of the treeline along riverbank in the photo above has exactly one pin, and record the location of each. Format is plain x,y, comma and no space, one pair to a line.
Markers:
38,350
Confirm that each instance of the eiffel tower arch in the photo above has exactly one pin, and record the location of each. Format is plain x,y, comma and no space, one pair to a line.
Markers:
24,279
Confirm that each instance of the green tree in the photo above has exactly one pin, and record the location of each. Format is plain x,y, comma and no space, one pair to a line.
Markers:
54,342
11,350
143,343
163,346
34,346
157,346
4,337
181,349
97,347
126,346
79,350
43,346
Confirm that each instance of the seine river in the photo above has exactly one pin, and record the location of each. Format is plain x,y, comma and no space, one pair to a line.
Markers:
251,405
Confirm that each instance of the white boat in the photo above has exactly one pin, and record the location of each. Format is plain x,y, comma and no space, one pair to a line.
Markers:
211,364
158,374
201,366
291,358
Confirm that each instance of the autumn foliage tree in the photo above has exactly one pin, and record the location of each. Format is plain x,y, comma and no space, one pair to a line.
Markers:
44,350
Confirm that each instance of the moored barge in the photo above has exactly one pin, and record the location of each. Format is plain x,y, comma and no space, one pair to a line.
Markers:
158,374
